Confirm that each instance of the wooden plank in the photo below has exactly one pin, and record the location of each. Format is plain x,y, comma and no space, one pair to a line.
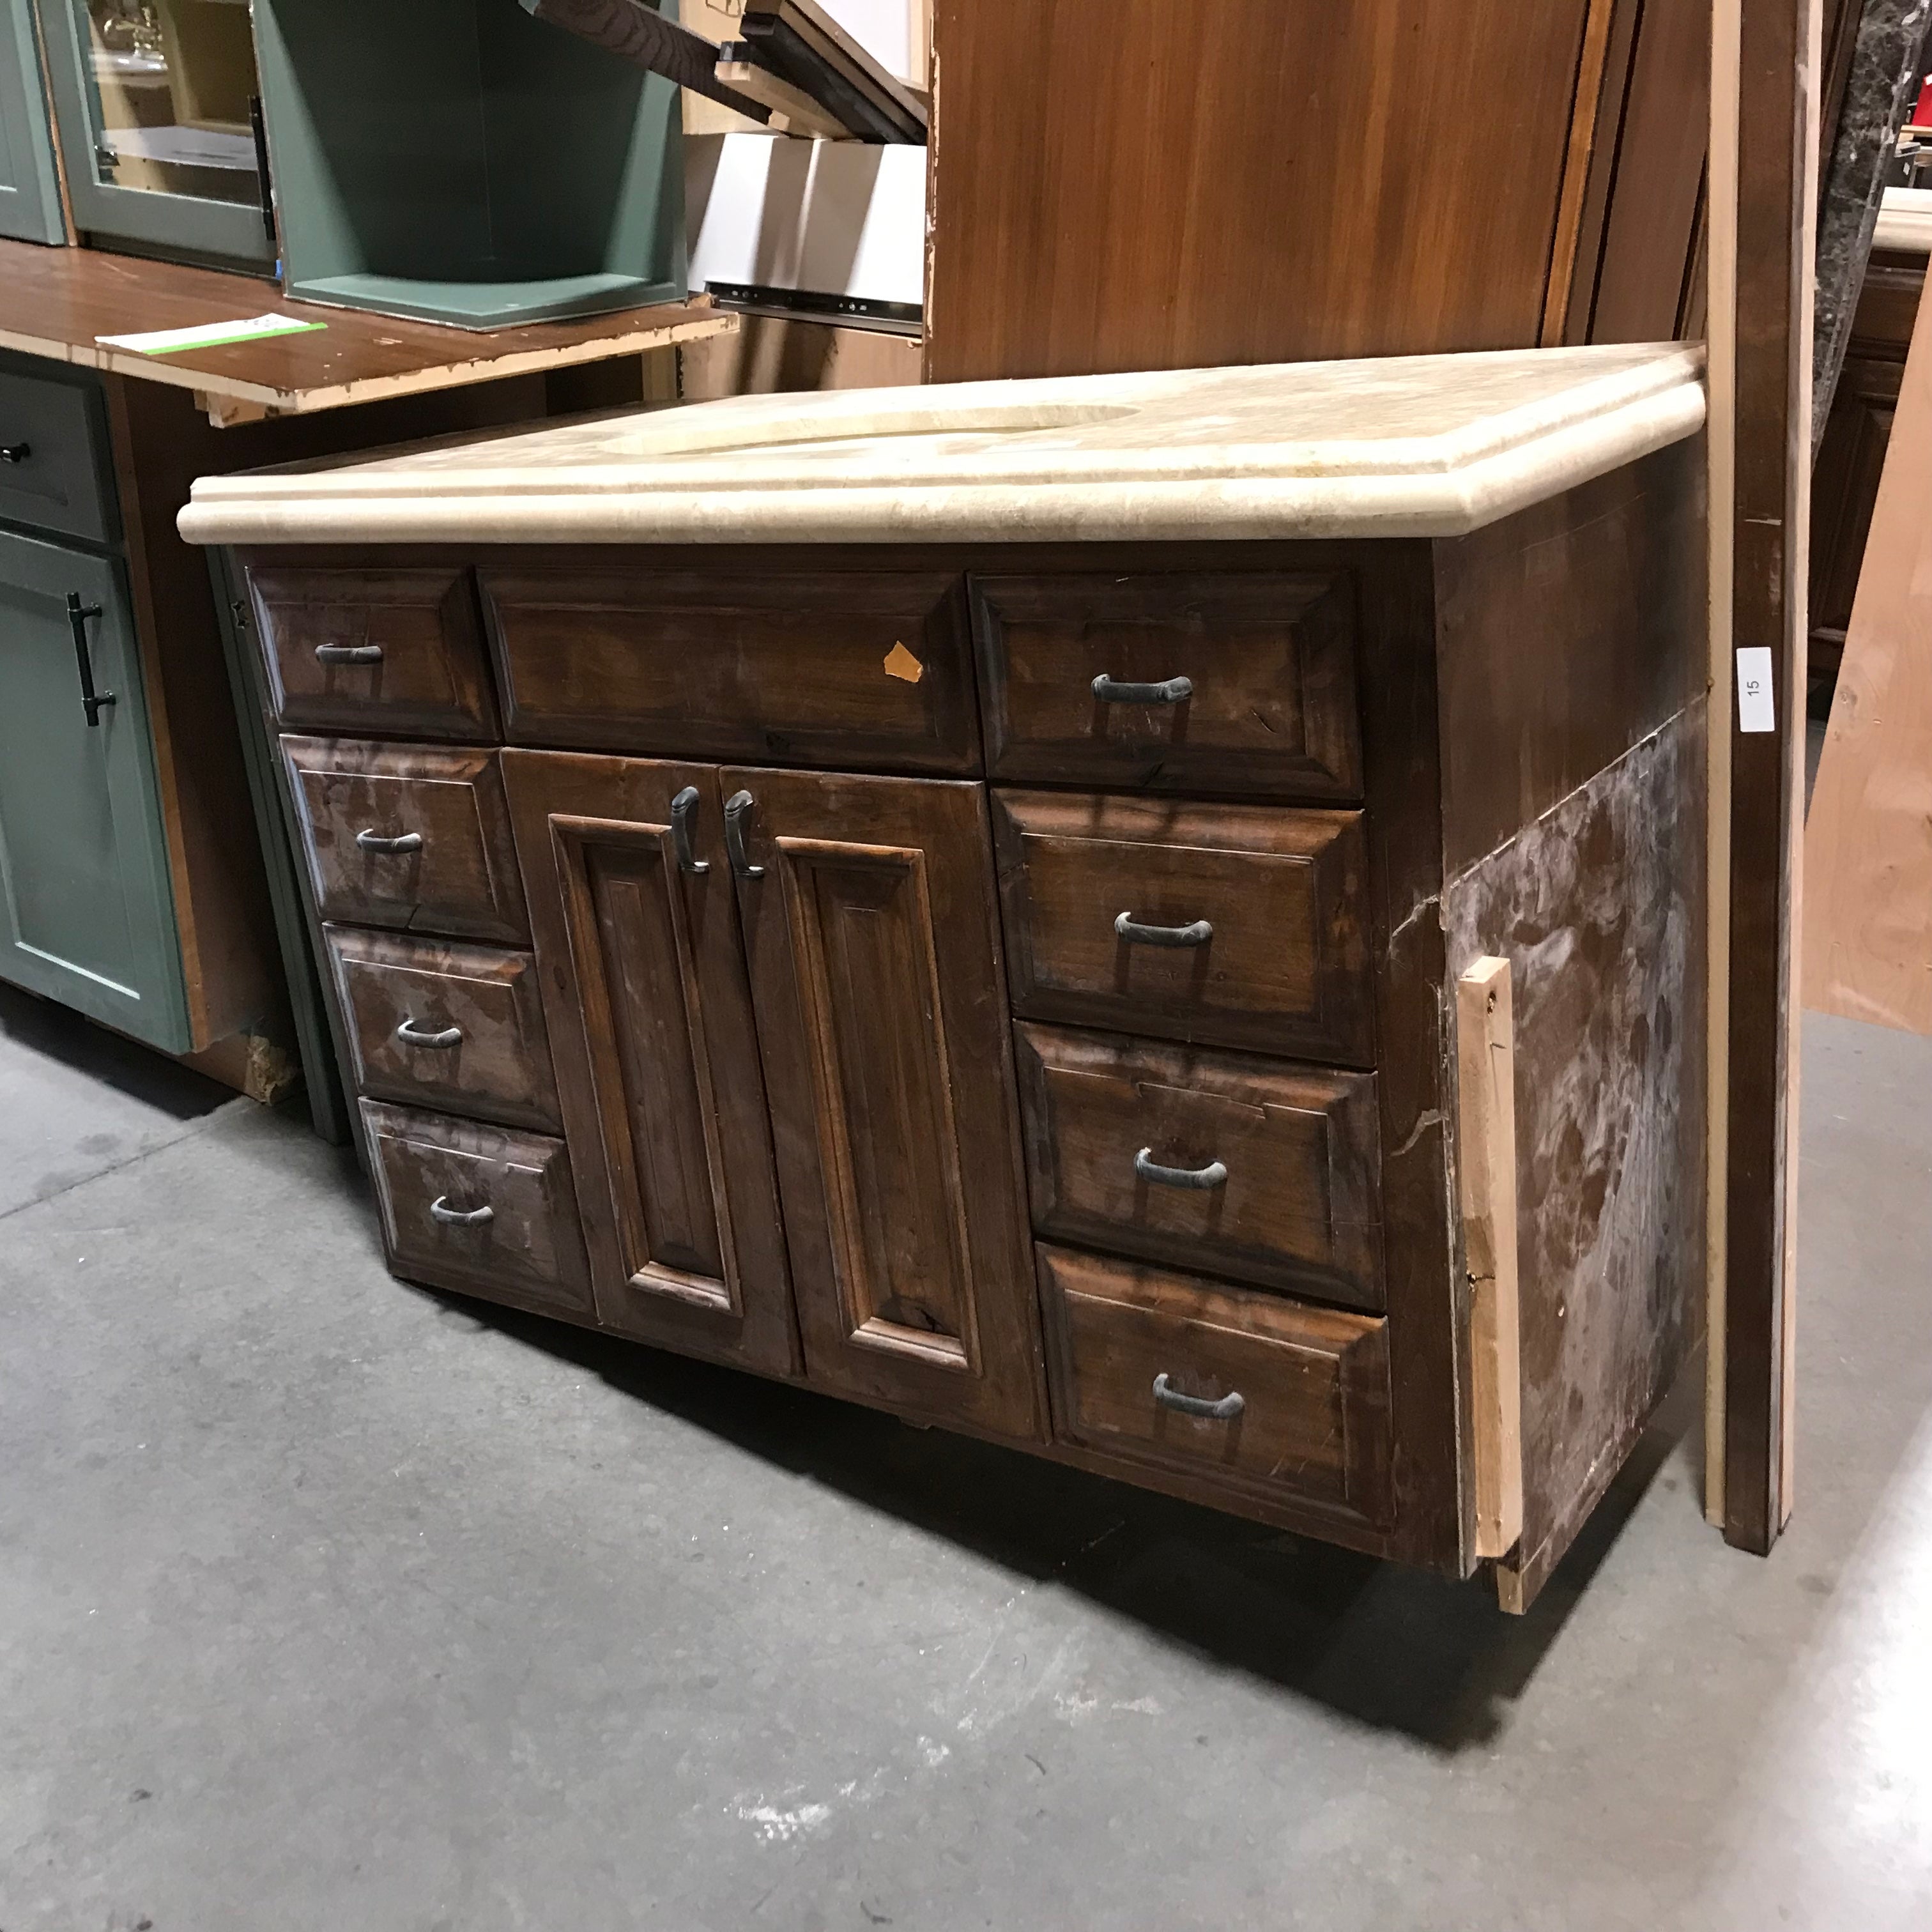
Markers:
1130,186
791,109
59,299
1868,916
634,33
1577,170
1779,59
1486,1164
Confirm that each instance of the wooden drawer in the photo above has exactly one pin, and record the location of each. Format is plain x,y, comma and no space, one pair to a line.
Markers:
485,1210
821,668
408,835
457,1027
396,651
1264,1172
1269,902
56,470
1301,1393
1245,684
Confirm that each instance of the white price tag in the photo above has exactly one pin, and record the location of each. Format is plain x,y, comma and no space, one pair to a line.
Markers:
1756,711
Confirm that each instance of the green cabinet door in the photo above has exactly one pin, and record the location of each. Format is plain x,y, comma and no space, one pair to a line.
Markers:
86,911
30,208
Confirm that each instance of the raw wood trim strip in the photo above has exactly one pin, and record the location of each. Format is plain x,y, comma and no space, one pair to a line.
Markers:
1576,172
793,111
1485,1167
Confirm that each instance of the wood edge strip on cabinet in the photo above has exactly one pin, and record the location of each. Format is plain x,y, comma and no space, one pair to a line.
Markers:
1560,294
1721,316
1486,1168
1777,171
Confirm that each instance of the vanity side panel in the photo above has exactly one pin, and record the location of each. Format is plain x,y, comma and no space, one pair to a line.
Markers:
1572,656
1428,1299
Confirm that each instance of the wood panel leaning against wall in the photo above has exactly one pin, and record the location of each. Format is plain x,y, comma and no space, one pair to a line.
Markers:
1125,184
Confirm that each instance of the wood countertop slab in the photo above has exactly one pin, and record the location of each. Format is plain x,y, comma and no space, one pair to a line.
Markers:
1409,446
55,302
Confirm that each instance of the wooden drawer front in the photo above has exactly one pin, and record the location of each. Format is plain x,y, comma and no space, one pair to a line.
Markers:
1268,662
1311,1419
435,1179
399,651
459,1027
1282,966
408,835
55,469
819,668
1246,1168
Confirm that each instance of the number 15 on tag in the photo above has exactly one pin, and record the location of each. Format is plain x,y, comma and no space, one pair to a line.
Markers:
1756,711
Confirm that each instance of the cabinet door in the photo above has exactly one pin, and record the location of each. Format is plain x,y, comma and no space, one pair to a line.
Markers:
30,208
874,941
649,1016
86,909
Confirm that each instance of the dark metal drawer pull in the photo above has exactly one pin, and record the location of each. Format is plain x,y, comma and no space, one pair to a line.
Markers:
91,701
440,1210
15,452
1130,929
1225,1410
403,841
738,807
410,1034
683,810
1169,690
348,654
1212,1175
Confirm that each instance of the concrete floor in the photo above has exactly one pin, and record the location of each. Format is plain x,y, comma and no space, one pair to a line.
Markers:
328,1604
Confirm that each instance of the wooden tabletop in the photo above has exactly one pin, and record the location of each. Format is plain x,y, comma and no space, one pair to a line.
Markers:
55,302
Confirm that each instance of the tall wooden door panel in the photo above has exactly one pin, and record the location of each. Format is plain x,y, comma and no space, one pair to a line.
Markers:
650,1019
872,930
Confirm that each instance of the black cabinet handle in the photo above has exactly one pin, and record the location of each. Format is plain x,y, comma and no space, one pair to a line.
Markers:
1230,1405
683,810
738,807
15,452
403,841
1130,929
1168,690
410,1034
440,1210
78,614
348,654
1214,1174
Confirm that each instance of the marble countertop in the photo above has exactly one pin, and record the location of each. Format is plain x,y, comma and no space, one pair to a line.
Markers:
1432,446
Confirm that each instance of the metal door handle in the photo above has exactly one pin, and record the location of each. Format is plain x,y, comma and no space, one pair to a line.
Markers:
1212,1175
738,807
1168,690
90,700
683,810
15,452
1230,1405
403,841
410,1034
1130,929
440,1210
348,654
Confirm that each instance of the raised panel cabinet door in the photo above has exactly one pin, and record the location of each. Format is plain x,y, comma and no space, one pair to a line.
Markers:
644,988
873,936
86,908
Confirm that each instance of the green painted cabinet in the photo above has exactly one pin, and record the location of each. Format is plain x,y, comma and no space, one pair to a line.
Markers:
86,911
30,209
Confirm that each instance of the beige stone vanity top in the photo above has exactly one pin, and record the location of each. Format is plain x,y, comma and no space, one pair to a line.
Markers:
1409,446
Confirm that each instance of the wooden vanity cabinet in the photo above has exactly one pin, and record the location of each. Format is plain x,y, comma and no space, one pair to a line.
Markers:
1029,1045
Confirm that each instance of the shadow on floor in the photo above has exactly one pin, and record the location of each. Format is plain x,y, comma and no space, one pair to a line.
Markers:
1385,1646
58,1033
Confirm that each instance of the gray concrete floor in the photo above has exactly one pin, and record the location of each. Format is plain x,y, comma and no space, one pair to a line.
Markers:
325,1603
